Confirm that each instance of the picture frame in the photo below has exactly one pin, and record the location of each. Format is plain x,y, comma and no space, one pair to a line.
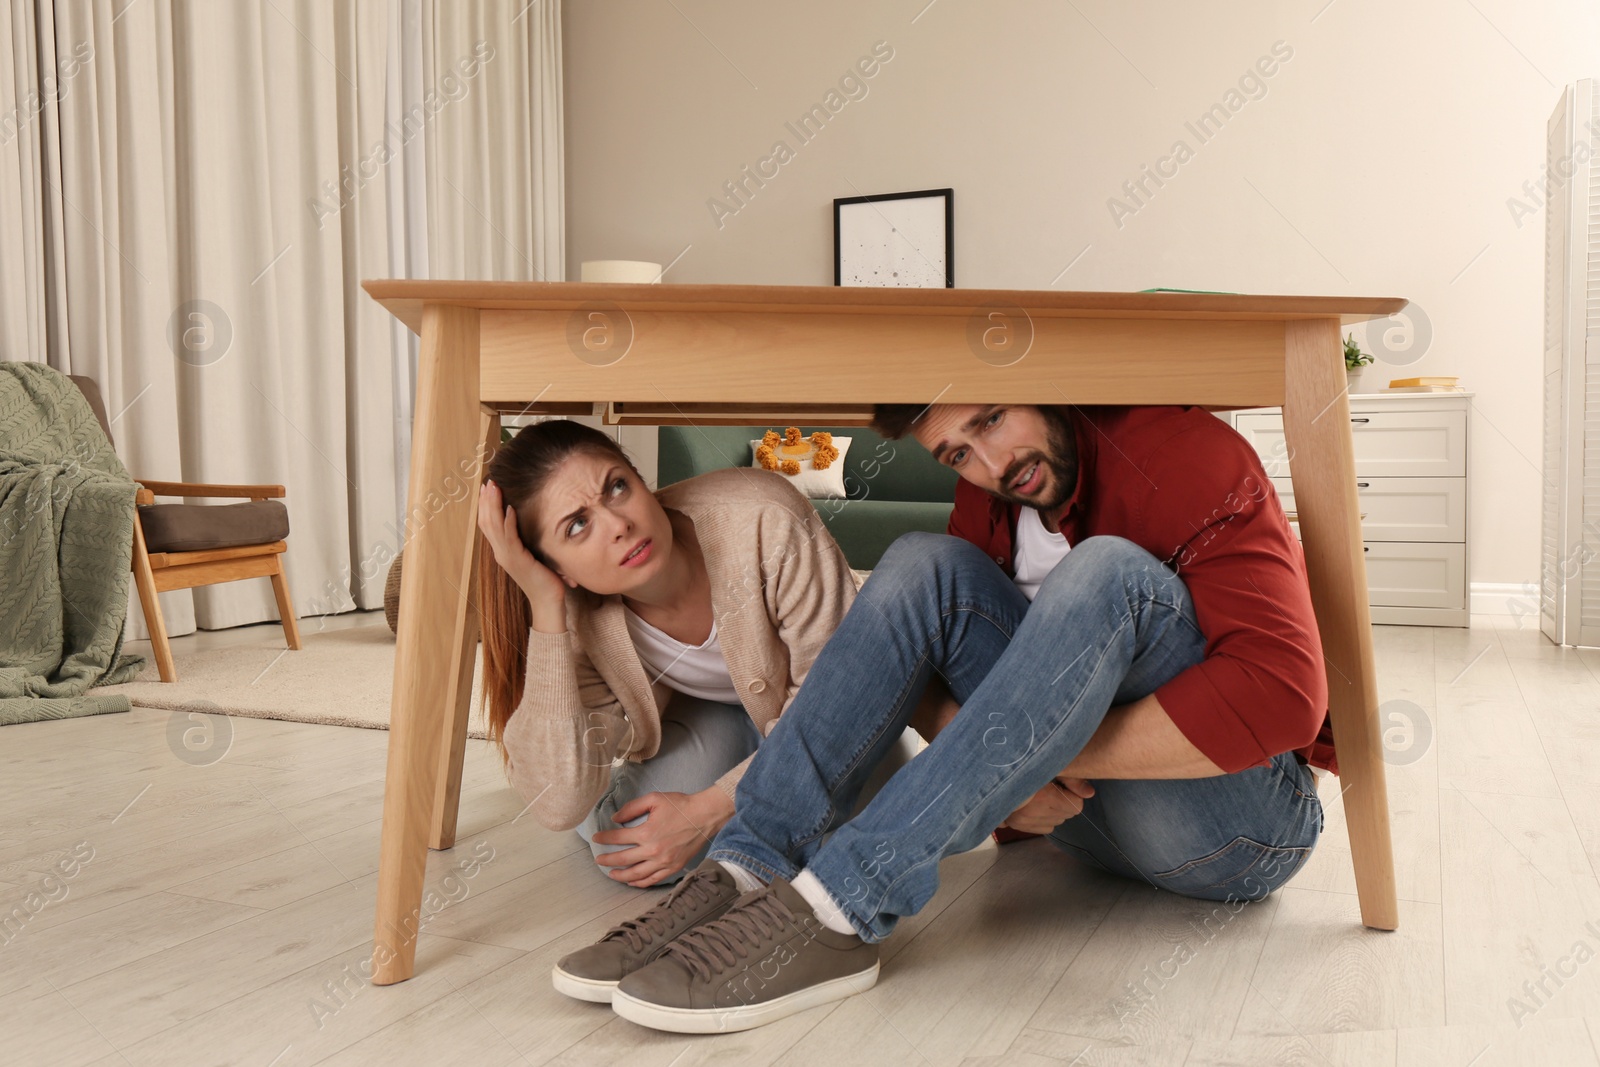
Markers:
895,239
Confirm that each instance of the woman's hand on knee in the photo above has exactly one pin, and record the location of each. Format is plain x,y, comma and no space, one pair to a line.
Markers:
675,828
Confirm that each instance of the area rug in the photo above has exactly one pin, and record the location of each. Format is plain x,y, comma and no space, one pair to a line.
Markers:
342,677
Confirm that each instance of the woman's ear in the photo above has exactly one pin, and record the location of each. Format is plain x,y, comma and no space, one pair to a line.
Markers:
542,558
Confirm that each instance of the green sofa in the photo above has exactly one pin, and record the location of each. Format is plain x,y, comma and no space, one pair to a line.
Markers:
891,487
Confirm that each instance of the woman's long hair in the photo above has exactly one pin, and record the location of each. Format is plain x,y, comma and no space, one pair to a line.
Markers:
521,468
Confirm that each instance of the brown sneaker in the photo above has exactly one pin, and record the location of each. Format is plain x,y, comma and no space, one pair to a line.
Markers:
767,958
592,973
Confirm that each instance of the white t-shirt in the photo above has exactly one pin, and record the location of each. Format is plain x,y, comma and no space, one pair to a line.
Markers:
695,670
1037,551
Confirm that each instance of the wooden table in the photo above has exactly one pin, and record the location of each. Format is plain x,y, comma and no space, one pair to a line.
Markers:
756,355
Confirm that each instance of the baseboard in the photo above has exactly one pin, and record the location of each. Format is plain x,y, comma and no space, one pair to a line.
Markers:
1504,598
1388,615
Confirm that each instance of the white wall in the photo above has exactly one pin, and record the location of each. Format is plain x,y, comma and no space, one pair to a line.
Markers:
1378,159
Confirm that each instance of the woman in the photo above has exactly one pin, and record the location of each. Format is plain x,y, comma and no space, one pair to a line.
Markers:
663,633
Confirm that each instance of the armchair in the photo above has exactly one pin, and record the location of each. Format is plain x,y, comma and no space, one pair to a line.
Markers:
179,546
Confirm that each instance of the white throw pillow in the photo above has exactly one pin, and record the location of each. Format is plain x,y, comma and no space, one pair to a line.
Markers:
817,485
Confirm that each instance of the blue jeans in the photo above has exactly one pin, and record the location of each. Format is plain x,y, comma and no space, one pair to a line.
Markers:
1110,624
701,740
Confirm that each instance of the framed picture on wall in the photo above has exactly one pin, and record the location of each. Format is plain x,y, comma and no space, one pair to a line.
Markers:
895,239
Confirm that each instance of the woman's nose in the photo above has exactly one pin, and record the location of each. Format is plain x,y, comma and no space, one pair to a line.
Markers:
620,527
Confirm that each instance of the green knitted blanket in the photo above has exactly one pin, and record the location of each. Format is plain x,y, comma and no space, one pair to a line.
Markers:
66,539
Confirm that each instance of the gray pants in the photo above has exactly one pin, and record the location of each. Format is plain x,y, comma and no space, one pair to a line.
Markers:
701,740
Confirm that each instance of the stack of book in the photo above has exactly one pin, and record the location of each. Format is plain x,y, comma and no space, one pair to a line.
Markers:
1439,383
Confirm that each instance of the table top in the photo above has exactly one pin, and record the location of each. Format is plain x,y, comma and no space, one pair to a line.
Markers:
405,297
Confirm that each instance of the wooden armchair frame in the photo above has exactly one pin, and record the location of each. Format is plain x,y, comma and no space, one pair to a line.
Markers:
157,572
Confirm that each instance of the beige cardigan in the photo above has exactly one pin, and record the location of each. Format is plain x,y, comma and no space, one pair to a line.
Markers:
780,585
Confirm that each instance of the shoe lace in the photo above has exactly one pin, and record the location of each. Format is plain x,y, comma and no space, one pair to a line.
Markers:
740,931
695,891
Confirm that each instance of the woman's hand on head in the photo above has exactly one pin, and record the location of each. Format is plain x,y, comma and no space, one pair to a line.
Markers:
677,826
498,522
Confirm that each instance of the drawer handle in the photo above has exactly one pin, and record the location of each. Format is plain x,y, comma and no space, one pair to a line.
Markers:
1363,485
1364,548
1360,420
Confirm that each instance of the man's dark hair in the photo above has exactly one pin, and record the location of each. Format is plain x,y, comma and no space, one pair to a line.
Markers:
894,420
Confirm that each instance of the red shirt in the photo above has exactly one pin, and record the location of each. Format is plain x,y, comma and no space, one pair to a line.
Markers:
1187,488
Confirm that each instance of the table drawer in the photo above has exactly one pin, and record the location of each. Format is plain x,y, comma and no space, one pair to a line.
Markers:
1388,444
1416,575
1403,509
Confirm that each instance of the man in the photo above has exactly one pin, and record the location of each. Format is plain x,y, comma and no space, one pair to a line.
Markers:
1122,603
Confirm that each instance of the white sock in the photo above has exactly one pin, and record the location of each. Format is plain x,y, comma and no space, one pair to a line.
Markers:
742,878
828,913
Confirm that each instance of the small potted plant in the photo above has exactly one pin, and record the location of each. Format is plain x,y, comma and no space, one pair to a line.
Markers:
1354,360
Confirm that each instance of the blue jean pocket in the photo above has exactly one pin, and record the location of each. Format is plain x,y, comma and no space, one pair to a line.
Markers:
1243,869
1297,777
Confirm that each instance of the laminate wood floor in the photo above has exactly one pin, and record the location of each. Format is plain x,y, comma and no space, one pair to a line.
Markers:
220,905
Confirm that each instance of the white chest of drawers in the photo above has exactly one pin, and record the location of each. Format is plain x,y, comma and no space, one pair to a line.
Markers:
1411,479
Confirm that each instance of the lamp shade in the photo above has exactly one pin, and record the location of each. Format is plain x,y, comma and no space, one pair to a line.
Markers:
619,270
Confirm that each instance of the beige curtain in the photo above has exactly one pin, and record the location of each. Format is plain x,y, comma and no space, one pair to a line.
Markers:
489,212
188,212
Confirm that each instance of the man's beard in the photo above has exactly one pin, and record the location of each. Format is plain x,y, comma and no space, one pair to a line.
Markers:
1060,460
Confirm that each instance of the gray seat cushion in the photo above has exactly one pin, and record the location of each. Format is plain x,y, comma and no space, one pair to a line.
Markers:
197,527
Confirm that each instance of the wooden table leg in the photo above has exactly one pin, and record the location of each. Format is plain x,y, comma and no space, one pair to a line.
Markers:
458,705
445,432
1316,425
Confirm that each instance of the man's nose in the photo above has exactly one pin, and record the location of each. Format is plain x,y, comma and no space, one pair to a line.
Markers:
995,463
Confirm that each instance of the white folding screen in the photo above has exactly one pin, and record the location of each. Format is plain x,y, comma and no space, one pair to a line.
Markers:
1570,564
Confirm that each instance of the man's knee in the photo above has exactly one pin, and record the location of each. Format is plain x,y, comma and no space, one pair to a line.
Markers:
1111,552
919,546
921,555
1098,565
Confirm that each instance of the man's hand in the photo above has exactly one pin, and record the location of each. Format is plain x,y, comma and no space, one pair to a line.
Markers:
1060,799
678,826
